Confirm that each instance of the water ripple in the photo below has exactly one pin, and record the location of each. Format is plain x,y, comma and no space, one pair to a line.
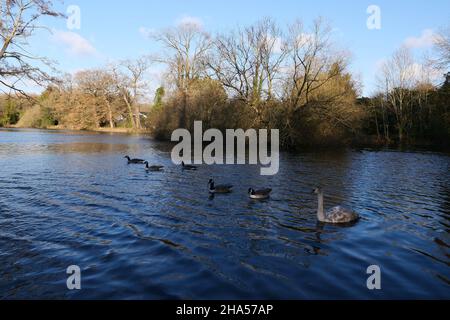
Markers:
69,198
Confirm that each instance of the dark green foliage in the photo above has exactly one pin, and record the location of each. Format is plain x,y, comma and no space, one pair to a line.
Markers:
9,113
159,96
428,110
47,118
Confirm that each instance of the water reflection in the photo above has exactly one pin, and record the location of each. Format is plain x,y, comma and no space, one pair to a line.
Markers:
70,198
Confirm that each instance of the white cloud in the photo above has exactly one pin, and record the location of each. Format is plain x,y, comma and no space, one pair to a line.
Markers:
424,73
146,32
415,73
74,43
190,21
426,39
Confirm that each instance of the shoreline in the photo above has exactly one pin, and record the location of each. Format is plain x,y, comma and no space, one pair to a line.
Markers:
97,130
354,145
100,130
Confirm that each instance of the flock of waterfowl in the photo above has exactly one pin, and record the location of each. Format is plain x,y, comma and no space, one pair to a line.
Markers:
336,215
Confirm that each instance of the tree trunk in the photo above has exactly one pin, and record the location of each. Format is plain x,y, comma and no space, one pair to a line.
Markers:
400,133
182,118
130,111
377,126
96,118
111,122
110,114
137,111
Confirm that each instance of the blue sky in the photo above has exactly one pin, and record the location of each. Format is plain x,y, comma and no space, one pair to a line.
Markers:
112,30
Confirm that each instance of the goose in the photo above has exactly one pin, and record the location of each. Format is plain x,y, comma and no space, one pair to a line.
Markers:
187,166
259,194
152,168
136,161
224,188
335,215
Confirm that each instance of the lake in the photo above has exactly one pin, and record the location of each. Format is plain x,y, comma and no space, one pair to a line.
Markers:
70,198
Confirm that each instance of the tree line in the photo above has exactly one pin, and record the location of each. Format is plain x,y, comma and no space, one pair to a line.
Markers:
293,78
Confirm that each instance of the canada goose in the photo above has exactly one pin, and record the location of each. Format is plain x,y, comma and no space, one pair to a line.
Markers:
187,166
224,188
135,161
335,215
259,194
152,168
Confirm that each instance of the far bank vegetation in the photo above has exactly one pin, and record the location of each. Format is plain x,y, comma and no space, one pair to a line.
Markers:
294,78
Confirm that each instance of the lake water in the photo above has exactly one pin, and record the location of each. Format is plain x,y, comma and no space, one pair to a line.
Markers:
69,198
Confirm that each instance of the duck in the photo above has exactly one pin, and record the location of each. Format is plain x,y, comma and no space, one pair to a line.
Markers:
224,188
135,161
152,168
187,166
336,215
259,194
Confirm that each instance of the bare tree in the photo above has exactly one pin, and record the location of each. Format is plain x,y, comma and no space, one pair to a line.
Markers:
121,83
247,62
442,47
313,62
100,85
136,71
274,50
231,64
399,76
187,46
129,77
18,21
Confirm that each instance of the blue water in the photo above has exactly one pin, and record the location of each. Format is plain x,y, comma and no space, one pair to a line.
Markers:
69,198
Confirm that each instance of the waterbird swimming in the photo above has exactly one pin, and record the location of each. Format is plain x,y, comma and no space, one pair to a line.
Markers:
152,168
223,188
187,166
259,194
335,215
135,161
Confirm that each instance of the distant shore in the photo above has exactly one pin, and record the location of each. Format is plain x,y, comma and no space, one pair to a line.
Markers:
103,130
357,144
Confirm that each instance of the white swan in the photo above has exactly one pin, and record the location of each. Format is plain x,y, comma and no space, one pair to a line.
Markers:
334,215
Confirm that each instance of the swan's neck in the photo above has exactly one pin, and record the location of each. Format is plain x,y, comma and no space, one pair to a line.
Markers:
320,213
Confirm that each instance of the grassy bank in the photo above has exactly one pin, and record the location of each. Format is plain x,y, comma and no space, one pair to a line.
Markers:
104,130
62,128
